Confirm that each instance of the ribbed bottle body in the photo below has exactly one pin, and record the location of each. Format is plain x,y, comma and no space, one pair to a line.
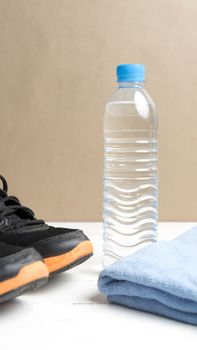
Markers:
130,182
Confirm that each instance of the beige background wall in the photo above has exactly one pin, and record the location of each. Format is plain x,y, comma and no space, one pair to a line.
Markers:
57,70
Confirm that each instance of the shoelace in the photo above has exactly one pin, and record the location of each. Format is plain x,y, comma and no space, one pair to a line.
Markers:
11,205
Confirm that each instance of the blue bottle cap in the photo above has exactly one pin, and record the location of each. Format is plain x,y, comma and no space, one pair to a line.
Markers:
130,72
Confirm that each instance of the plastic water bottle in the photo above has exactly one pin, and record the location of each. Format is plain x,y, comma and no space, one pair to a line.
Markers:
130,166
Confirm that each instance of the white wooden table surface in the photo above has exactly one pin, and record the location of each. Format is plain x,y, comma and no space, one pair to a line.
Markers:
70,313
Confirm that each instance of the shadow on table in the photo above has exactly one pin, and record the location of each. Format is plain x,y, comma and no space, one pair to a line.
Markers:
52,284
11,307
82,271
98,298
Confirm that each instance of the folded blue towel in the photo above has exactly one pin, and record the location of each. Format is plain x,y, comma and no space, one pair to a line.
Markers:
160,278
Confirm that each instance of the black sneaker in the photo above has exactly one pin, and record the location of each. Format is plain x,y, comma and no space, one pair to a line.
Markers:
20,270
61,248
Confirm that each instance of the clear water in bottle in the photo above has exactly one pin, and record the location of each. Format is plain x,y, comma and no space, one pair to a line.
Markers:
130,167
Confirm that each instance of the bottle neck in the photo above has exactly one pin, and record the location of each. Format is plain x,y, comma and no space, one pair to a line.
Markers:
130,84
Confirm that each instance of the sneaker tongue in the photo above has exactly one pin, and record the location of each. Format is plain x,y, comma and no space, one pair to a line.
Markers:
22,215
16,217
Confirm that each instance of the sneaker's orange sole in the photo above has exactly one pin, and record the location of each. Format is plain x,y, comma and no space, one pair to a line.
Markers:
69,259
30,273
